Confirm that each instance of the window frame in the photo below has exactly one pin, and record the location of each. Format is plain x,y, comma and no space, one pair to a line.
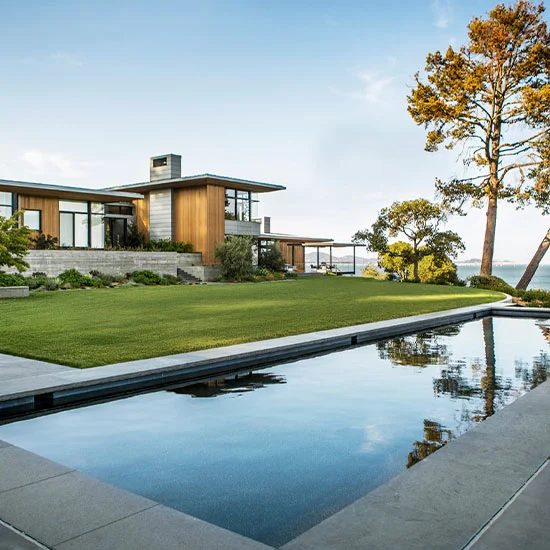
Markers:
39,212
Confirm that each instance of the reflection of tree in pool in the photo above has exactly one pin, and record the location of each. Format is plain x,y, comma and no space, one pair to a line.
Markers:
237,384
491,388
535,374
419,350
435,437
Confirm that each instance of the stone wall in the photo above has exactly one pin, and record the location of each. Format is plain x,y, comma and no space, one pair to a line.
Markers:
113,262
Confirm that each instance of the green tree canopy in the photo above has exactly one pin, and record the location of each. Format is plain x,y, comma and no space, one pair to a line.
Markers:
491,98
14,242
420,222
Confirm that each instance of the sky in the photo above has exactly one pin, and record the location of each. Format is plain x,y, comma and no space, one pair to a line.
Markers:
307,94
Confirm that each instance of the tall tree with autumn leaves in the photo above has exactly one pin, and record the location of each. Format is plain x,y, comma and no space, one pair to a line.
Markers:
491,98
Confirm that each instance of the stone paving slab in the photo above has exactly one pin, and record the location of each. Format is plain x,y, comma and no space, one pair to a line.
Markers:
20,468
525,522
163,528
63,507
14,368
11,540
446,499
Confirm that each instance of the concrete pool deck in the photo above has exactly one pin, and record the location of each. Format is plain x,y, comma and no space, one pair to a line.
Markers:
487,489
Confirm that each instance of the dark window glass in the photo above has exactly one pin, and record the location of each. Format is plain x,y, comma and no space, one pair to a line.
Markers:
160,162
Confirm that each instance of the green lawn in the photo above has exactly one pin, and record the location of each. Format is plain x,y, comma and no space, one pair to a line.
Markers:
85,328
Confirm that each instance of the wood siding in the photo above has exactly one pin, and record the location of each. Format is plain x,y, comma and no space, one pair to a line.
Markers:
142,215
199,218
299,254
49,212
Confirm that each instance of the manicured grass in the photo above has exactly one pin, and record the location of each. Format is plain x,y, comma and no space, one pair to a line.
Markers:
85,328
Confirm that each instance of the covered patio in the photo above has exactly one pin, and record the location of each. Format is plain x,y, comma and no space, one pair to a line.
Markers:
333,265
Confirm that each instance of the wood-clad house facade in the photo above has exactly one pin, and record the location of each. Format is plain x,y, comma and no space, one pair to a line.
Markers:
202,210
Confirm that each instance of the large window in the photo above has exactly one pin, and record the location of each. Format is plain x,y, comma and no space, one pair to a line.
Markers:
31,218
6,204
239,205
81,224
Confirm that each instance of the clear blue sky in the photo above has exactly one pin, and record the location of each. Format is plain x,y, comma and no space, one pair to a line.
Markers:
308,94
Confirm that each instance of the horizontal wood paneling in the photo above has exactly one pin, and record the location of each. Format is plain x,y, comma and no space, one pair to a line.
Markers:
49,209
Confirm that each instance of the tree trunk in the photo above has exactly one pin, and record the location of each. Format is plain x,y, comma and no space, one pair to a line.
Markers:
488,382
534,263
489,243
415,262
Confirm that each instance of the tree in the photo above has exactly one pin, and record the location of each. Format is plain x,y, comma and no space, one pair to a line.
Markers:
14,242
236,257
397,258
492,98
419,220
271,257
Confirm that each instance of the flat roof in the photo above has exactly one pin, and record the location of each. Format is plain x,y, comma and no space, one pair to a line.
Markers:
285,237
189,181
64,191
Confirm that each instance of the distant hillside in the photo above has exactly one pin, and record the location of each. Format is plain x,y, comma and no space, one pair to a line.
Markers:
311,257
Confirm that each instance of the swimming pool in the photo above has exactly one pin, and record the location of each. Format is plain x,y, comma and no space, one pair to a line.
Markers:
274,452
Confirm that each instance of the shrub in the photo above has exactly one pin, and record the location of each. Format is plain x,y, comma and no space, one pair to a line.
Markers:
44,242
50,284
271,257
372,272
8,279
491,283
134,237
236,258
105,278
36,280
170,279
434,270
291,275
74,278
146,277
166,245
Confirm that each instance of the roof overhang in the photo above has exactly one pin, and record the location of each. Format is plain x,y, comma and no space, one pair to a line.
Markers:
202,179
65,192
290,238
330,244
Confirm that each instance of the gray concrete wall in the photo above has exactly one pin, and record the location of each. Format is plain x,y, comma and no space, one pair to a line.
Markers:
206,273
14,292
234,227
114,262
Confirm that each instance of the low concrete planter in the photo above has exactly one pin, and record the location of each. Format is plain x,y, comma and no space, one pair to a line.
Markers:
14,292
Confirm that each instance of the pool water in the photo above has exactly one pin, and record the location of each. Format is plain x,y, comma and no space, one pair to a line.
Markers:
272,453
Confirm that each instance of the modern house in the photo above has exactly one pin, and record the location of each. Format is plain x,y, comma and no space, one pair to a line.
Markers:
201,209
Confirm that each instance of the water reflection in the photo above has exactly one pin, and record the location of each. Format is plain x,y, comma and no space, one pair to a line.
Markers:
435,437
481,389
236,384
420,350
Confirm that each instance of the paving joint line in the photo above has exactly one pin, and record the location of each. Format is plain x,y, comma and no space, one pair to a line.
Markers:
484,528
154,505
37,481
24,535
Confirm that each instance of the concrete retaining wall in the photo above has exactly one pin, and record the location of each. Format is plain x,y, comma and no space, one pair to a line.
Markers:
14,292
113,262
206,273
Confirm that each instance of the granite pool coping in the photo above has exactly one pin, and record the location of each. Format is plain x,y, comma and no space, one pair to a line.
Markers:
61,385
